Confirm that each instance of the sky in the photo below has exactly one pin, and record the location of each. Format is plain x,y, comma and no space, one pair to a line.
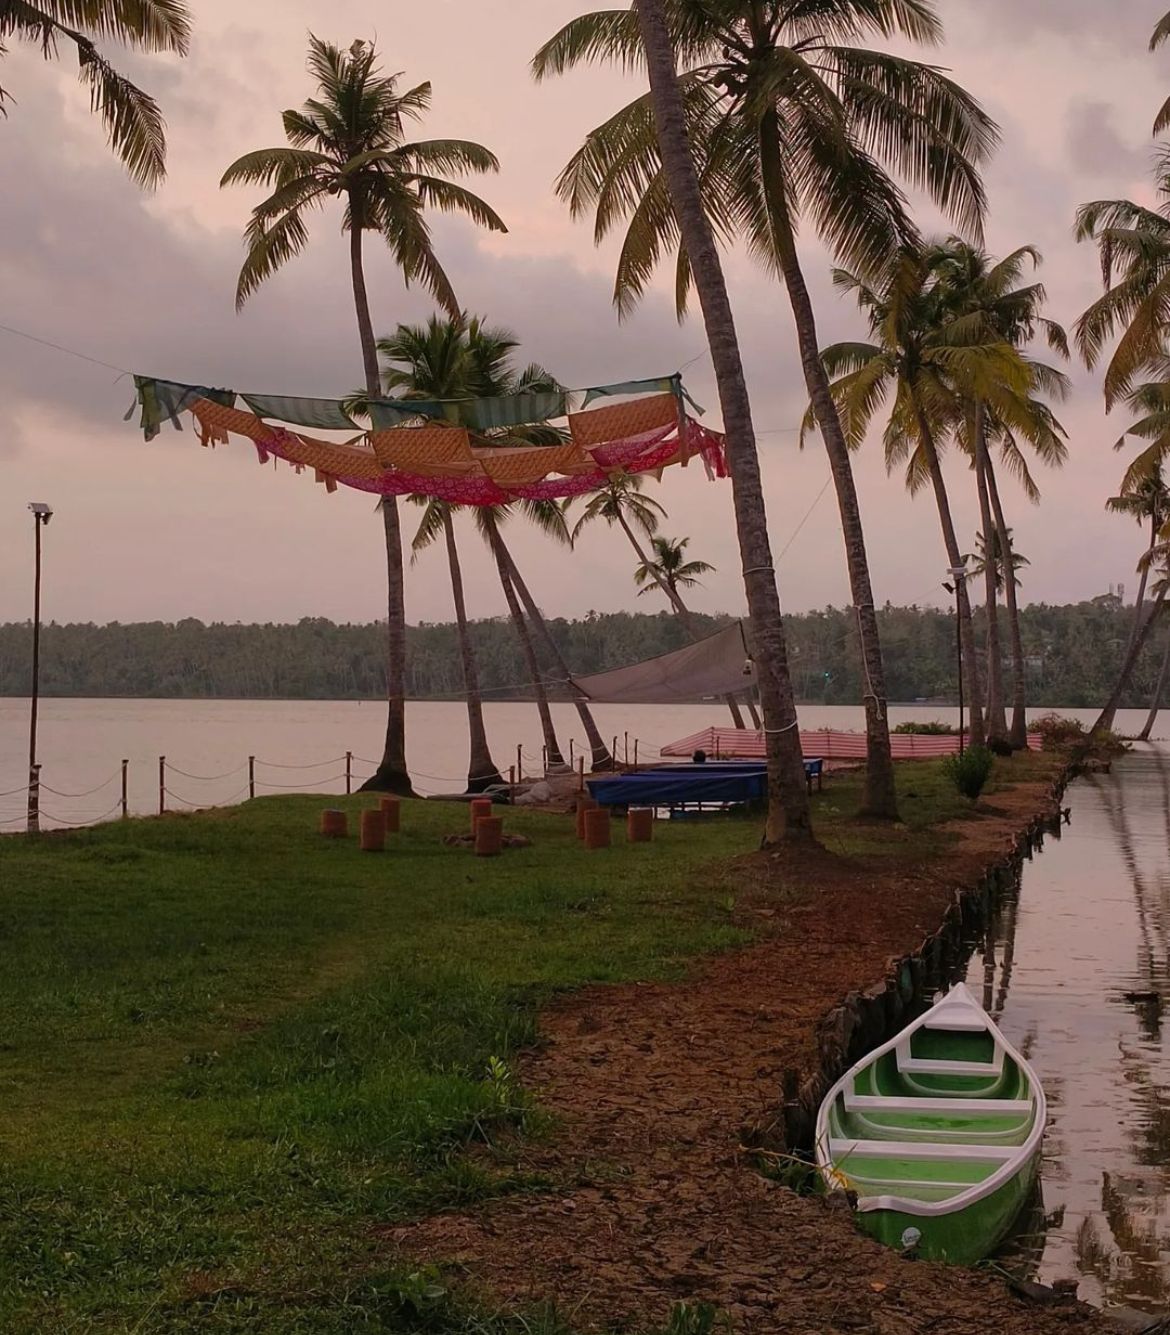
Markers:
145,283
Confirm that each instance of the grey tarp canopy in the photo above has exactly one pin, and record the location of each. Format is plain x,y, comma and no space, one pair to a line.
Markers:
710,667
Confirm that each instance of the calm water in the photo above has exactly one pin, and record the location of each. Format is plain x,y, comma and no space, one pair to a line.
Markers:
207,743
1076,968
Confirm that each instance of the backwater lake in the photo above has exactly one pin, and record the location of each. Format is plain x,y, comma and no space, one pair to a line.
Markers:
300,745
1074,964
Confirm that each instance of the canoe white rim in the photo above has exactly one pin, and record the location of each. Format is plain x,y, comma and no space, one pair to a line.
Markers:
957,1010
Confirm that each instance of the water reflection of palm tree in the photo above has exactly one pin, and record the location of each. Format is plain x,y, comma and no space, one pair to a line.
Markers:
998,948
1118,818
1142,1279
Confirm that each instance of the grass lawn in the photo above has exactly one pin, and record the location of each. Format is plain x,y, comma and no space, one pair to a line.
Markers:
232,1047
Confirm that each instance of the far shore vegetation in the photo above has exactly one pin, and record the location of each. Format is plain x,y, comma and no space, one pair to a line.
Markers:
1072,655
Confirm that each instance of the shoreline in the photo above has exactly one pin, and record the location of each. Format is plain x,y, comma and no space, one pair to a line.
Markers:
677,1104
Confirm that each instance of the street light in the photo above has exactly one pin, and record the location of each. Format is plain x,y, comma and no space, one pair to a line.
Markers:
959,575
41,514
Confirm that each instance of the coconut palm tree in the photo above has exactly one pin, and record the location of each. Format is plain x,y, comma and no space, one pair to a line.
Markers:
790,121
1134,246
1047,439
788,802
1159,694
438,519
132,118
670,567
988,294
932,367
996,559
349,144
487,520
1145,498
466,358
1160,35
622,503
491,374
1157,559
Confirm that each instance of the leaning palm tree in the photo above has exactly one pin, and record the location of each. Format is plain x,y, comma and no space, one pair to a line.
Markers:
438,520
1046,437
790,121
670,568
132,118
491,374
988,295
1158,560
788,802
622,503
1145,498
349,143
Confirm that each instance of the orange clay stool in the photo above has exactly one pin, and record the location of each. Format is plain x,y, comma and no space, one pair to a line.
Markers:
598,828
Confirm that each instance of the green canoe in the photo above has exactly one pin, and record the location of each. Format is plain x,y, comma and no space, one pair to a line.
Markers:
938,1133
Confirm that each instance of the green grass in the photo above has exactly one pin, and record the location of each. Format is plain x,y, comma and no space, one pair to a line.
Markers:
232,1048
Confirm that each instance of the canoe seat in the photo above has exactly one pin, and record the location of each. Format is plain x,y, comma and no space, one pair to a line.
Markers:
957,1020
840,1151
940,1107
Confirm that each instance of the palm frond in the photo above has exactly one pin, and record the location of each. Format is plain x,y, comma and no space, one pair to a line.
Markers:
270,248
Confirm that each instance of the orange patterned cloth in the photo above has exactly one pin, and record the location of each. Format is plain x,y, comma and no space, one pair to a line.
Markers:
601,426
424,449
638,437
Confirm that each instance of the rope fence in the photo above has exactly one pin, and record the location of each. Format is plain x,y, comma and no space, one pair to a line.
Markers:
528,764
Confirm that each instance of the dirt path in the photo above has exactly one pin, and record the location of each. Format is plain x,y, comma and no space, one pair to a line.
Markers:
659,1087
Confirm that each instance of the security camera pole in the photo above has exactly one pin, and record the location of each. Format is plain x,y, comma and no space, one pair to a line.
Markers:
41,515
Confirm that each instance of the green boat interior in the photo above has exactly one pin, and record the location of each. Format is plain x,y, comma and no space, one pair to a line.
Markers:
933,1117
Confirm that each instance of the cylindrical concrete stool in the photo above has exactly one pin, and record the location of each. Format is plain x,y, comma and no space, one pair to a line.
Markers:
640,825
584,803
489,836
334,824
373,835
392,811
598,828
480,806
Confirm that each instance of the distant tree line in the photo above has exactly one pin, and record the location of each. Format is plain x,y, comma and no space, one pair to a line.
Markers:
1073,654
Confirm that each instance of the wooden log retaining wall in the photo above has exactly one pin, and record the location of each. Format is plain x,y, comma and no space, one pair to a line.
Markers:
865,1019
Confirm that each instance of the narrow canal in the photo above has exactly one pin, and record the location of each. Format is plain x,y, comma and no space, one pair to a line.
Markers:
1075,967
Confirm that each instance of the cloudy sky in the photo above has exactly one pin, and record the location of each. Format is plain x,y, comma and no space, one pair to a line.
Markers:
145,283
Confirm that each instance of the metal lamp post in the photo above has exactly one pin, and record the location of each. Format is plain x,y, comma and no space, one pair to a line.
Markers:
41,514
959,575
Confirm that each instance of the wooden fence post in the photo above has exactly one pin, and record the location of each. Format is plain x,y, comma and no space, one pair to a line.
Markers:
251,776
125,786
348,773
162,785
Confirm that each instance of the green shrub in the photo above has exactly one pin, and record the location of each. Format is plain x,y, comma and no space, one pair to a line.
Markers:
1057,732
926,729
970,771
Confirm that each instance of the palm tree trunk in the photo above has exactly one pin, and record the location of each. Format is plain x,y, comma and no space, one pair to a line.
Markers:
1134,652
481,769
552,748
1156,704
391,775
1109,714
1019,729
788,801
599,752
996,716
962,596
880,798
682,611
